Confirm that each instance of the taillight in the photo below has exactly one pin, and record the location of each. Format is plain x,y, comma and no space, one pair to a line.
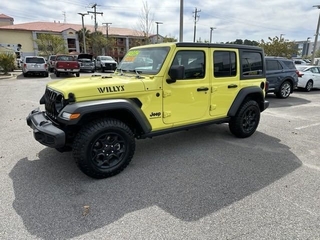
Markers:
24,65
299,73
45,66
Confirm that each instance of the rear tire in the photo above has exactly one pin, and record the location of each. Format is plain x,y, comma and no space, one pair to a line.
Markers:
246,121
103,148
284,90
57,74
309,86
77,74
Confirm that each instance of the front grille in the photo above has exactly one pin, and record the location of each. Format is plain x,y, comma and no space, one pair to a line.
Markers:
50,99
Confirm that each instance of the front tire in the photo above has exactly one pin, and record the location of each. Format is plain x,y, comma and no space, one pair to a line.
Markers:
284,90
246,121
309,86
103,148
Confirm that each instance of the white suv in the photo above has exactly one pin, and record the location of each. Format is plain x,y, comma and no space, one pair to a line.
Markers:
35,65
106,63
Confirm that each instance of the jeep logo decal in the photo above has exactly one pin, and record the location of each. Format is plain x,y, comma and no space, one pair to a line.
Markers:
155,114
111,89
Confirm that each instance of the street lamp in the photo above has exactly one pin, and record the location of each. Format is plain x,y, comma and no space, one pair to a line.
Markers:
158,30
316,37
211,29
307,46
83,33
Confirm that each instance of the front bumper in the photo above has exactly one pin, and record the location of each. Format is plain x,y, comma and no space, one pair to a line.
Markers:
44,131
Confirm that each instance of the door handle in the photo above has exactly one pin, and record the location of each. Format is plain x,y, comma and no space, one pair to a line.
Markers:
232,86
201,89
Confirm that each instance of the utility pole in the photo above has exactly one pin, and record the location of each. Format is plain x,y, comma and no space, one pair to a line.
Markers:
107,29
158,30
94,6
281,36
196,18
107,35
211,29
181,22
83,32
316,38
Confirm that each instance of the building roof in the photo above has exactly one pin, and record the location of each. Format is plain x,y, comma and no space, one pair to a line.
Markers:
60,27
3,16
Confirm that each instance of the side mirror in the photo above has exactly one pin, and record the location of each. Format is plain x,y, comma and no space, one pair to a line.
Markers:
176,72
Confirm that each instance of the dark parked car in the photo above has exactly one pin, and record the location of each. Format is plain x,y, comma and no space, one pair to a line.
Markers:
282,76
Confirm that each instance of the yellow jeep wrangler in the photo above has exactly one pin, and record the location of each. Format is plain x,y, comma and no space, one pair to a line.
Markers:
156,89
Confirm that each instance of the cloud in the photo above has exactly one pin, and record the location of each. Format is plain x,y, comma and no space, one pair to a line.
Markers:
234,19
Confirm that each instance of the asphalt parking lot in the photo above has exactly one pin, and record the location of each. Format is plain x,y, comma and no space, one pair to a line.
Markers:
197,184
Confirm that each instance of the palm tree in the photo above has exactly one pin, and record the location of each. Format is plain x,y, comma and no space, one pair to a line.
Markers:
87,35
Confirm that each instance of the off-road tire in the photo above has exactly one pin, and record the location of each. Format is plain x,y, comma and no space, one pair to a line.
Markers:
284,90
103,148
246,121
309,86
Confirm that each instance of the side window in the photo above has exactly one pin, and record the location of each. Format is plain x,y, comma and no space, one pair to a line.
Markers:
251,63
273,65
193,62
315,70
224,64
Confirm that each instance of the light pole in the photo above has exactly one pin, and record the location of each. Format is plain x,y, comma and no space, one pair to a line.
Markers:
83,32
211,29
316,37
181,22
158,30
307,46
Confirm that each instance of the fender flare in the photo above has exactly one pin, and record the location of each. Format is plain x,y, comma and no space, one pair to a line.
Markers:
88,107
243,93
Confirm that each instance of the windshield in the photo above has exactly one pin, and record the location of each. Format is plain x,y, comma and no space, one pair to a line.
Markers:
144,60
107,58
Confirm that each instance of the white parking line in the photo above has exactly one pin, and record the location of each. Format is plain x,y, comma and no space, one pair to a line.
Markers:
311,125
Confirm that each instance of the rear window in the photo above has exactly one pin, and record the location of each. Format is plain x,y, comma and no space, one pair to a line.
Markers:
301,68
52,58
35,60
65,58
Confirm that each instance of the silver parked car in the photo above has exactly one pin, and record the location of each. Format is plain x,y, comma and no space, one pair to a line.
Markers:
86,62
35,65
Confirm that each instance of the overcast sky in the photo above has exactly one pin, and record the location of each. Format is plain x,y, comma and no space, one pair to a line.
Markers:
296,20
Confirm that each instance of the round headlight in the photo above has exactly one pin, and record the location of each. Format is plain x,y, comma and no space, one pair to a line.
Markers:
59,103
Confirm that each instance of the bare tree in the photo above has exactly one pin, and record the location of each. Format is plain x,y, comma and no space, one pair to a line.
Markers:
146,21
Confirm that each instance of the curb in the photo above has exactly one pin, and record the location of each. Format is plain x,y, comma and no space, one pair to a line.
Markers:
2,77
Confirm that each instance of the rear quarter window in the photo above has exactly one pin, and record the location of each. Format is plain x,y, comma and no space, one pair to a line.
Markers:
289,64
251,64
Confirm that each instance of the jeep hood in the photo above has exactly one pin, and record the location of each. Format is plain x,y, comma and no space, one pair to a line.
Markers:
88,88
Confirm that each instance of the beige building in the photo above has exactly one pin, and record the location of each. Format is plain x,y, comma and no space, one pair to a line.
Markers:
20,37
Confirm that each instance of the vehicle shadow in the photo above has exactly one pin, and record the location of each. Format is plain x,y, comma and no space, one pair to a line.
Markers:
189,175
291,101
20,76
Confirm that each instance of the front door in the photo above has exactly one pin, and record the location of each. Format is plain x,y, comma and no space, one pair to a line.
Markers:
187,99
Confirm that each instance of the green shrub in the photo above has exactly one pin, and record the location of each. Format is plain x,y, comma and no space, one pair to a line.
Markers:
7,62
